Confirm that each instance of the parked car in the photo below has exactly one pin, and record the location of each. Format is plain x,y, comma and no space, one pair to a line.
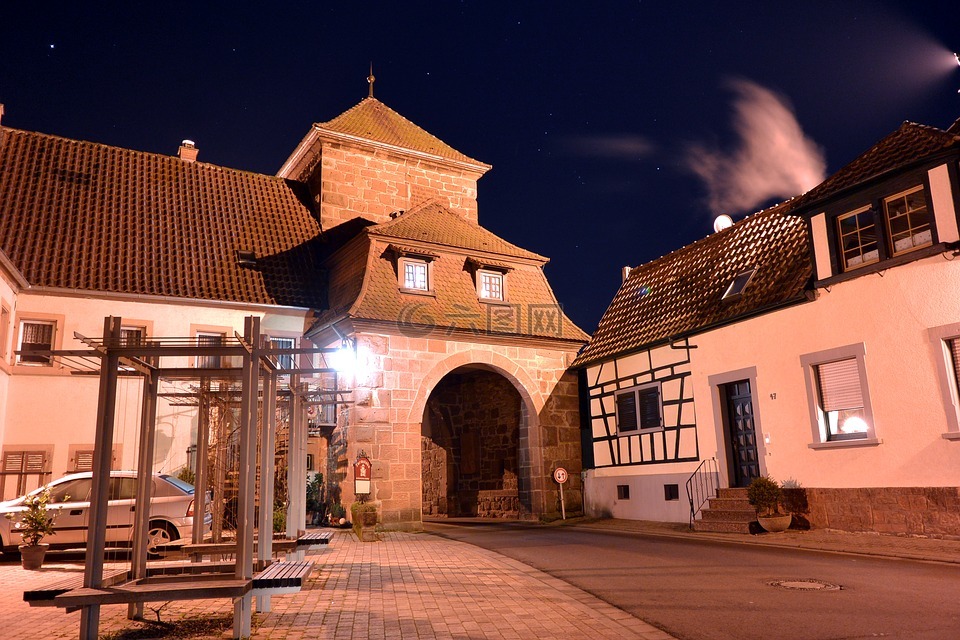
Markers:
171,511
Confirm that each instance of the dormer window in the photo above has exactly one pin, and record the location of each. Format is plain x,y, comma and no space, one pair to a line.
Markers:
887,228
415,274
908,221
489,285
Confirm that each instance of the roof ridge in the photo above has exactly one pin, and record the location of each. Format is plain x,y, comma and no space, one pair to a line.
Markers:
156,154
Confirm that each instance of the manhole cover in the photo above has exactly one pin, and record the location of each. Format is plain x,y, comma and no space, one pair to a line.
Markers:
805,585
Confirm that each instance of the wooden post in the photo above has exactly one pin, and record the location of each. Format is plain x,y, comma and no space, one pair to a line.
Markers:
102,457
242,609
268,447
148,426
200,479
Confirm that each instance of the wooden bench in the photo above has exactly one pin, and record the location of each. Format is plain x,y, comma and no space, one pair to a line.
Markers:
314,539
150,590
282,577
43,596
197,551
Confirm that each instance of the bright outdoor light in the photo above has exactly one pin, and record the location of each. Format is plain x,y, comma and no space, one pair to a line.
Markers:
344,359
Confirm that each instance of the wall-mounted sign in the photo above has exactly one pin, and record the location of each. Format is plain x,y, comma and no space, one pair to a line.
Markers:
362,470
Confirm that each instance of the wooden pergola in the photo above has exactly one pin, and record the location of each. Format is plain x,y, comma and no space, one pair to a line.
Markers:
261,380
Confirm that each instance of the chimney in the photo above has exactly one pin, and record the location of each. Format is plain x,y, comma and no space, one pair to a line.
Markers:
626,273
188,151
1,112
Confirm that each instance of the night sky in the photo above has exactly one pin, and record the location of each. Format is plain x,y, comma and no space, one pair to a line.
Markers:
617,131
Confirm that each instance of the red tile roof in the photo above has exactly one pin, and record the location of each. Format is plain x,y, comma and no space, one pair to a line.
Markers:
370,291
431,222
681,293
908,144
375,121
87,216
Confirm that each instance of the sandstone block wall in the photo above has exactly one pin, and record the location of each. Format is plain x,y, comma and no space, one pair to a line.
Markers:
374,184
926,511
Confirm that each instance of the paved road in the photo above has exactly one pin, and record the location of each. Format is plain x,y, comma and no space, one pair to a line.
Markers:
714,591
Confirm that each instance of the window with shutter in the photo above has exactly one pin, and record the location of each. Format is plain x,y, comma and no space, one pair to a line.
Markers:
22,471
639,408
839,397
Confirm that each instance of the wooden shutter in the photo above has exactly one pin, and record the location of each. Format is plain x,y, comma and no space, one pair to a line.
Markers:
627,411
840,386
83,461
649,408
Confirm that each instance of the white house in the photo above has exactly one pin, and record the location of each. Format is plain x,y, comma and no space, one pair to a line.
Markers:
817,342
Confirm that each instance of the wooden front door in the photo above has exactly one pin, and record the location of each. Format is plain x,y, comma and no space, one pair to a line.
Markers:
741,434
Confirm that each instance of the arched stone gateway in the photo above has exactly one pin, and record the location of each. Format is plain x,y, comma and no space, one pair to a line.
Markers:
471,431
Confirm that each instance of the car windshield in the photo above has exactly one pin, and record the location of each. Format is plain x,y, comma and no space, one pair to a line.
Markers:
186,487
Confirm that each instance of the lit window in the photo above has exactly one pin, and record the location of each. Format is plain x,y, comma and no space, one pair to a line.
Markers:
639,408
416,274
36,337
490,285
858,238
908,221
739,284
839,396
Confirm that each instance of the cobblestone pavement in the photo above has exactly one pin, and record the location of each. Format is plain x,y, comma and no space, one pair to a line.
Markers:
406,586
423,586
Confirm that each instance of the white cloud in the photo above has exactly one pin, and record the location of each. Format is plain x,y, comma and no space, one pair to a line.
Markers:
774,158
625,147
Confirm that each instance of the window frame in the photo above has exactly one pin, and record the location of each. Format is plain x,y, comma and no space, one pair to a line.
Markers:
635,392
841,251
733,290
427,265
818,418
948,375
497,275
48,360
4,333
200,362
289,359
887,226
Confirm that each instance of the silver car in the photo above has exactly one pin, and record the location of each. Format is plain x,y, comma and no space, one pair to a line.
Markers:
171,511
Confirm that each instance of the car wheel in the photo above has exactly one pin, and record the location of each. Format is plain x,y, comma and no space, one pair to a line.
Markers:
159,533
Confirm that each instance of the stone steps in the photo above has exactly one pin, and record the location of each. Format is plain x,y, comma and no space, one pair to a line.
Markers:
729,512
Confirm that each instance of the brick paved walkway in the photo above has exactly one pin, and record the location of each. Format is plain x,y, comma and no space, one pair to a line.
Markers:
407,586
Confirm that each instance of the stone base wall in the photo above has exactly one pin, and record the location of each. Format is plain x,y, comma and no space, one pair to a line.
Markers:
922,511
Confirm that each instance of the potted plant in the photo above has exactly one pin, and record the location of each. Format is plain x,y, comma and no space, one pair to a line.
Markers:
766,496
316,501
33,523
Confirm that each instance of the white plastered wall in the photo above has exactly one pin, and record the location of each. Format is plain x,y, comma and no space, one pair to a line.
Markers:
49,405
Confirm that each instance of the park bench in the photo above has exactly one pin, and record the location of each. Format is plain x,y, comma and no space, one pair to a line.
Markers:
43,596
282,577
314,539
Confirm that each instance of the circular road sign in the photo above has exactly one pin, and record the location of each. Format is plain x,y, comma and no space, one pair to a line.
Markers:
560,475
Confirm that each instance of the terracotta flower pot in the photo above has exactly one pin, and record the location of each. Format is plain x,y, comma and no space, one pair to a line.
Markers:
31,555
775,524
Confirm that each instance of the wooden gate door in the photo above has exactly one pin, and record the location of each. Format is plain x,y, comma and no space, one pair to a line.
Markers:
741,434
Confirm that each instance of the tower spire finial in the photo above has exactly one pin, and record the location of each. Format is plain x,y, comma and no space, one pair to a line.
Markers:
370,80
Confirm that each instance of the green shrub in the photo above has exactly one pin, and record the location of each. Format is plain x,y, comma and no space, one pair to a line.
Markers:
765,495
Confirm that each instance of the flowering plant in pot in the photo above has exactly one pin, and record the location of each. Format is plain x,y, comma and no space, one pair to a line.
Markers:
33,524
766,496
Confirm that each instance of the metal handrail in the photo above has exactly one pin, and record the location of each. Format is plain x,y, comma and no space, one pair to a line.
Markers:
701,486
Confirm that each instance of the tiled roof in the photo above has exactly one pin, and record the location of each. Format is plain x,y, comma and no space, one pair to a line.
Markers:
909,143
431,222
375,121
681,293
531,308
86,216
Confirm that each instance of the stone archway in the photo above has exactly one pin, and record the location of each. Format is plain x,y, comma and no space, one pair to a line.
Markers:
470,447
